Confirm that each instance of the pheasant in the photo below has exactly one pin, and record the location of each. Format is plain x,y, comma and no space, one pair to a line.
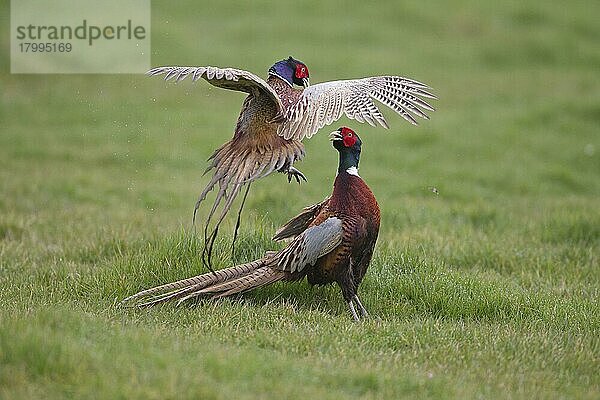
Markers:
331,241
276,117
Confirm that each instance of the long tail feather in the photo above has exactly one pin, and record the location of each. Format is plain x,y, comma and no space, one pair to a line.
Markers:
224,282
261,277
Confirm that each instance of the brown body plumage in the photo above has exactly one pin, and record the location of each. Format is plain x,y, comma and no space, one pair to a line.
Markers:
353,202
331,241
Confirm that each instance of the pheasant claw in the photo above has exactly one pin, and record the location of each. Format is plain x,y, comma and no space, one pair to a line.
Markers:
296,174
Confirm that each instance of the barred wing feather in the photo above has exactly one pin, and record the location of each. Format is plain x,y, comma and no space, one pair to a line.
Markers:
226,78
325,103
301,222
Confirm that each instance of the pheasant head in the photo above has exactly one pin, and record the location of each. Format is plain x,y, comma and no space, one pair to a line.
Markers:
292,71
348,144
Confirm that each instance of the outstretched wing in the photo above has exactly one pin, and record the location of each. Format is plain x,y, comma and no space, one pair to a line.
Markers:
307,247
324,103
226,78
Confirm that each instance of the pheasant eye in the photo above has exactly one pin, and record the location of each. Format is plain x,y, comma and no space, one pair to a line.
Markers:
346,132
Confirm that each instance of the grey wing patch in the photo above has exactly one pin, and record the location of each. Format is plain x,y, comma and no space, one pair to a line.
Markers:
227,78
298,224
325,103
305,249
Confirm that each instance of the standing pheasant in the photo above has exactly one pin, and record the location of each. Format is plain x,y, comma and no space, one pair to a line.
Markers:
276,117
331,241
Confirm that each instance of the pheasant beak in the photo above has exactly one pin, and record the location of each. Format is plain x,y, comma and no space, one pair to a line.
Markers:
305,82
335,135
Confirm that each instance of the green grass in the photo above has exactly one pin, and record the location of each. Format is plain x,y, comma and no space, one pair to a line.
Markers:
489,289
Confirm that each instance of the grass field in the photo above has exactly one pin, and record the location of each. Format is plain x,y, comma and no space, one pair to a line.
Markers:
489,289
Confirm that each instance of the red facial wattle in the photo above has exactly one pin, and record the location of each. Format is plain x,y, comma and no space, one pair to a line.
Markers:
349,137
301,71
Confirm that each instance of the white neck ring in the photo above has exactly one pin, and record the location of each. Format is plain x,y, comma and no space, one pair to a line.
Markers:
352,171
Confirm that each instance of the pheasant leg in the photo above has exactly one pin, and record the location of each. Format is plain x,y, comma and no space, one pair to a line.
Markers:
353,311
363,311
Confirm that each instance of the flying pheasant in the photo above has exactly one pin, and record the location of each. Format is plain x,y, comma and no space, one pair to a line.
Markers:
276,117
331,241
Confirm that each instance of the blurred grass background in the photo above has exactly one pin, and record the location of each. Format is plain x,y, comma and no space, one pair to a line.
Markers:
489,289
